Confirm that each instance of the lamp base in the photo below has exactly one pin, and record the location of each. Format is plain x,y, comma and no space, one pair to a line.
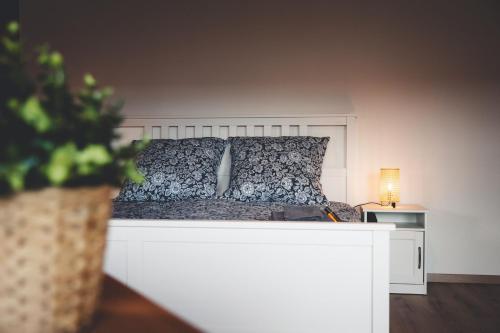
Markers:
388,203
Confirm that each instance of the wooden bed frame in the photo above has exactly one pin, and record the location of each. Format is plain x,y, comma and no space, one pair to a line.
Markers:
236,276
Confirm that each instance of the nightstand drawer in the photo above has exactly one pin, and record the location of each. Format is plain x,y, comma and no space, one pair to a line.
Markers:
407,257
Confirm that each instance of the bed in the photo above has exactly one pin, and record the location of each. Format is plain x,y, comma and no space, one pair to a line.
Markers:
242,271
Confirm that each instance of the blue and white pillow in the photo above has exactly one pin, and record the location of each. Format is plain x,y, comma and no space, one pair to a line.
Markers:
277,169
176,170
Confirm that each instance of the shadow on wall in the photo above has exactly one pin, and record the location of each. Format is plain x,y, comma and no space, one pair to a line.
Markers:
272,56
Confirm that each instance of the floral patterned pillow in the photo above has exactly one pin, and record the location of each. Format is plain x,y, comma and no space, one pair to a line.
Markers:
176,170
277,169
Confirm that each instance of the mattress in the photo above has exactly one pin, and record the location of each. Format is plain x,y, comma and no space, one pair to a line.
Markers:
215,209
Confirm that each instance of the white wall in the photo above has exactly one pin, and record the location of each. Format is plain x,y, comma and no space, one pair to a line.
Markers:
423,81
447,149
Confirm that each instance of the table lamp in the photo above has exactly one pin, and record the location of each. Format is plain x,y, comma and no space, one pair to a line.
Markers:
389,186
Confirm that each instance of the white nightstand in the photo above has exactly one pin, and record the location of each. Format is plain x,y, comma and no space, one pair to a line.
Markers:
408,246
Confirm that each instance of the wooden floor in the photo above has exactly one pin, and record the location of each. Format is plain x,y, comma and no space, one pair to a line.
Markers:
448,307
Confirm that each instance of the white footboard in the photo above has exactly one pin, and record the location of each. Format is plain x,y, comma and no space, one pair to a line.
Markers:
258,276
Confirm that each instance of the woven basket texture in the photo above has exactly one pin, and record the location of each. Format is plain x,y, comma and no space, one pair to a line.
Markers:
51,253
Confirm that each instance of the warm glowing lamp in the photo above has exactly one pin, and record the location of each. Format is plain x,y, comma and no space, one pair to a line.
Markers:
389,186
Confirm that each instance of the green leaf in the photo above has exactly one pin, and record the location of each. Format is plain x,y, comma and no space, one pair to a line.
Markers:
55,59
107,91
89,80
52,115
61,161
44,144
11,46
97,95
13,27
43,54
132,173
15,180
94,153
90,113
33,114
142,144
91,158
13,104
58,77
15,174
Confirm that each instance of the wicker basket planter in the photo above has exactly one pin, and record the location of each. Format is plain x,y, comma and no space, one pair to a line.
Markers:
51,253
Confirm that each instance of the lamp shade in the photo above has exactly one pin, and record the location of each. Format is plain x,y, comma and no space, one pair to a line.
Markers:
389,185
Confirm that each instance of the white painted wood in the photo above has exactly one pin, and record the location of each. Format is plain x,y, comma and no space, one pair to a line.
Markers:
173,132
215,131
156,132
190,132
181,132
294,130
229,224
250,130
232,130
164,132
404,208
408,246
341,118
129,133
267,130
340,159
148,130
235,276
285,130
303,130
242,276
407,251
380,277
410,289
198,131
117,262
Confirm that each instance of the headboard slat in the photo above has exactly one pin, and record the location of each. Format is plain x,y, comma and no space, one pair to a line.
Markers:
181,132
340,158
285,130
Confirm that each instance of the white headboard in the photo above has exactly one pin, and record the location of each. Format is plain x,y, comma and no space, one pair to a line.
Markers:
340,158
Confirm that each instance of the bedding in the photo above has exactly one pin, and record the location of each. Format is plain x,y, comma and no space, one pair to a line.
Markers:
300,213
215,209
277,169
176,170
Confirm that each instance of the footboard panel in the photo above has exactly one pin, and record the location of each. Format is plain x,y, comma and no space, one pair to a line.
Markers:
258,276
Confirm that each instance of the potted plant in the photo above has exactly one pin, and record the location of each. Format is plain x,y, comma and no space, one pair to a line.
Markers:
57,164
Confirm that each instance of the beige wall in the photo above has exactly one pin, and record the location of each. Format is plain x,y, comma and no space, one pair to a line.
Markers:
446,145
424,80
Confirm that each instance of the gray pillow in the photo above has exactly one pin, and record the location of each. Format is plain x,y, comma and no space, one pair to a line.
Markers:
176,170
277,169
